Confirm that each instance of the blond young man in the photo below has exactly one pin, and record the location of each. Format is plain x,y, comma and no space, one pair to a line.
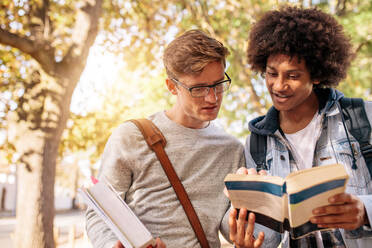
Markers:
200,151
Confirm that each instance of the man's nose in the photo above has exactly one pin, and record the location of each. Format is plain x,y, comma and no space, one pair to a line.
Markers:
211,96
279,84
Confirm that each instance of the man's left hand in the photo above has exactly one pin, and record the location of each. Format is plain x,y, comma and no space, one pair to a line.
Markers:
344,211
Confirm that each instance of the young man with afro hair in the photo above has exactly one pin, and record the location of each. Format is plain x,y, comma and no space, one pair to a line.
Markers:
303,54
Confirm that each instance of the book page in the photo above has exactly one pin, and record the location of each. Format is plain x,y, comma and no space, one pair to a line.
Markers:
309,189
259,194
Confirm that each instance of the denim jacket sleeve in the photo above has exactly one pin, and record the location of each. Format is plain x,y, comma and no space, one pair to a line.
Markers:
367,199
366,231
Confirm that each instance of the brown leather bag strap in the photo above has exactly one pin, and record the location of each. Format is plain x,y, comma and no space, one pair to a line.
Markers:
157,142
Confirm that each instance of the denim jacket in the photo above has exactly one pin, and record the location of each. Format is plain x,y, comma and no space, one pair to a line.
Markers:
332,147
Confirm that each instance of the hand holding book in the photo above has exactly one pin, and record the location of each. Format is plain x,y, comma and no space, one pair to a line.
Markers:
240,235
344,211
287,204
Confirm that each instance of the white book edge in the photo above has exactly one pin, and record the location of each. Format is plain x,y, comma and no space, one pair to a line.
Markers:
92,202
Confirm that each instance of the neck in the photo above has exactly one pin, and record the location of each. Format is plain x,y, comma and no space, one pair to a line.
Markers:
175,115
297,119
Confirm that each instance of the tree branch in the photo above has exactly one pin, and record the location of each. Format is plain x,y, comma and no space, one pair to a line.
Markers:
41,51
84,34
22,43
45,18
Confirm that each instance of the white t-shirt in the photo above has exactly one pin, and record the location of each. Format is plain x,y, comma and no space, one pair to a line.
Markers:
303,142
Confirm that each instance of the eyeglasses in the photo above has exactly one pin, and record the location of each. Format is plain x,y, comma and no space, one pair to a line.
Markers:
203,91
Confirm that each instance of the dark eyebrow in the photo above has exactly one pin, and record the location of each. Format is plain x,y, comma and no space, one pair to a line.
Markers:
289,71
297,70
272,68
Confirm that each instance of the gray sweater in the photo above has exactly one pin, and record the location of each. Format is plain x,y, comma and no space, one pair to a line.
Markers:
201,159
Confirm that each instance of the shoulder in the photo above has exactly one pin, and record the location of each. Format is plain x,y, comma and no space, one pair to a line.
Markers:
217,131
124,130
125,136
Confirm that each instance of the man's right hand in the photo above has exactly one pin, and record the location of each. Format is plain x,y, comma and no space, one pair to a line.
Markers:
159,244
241,231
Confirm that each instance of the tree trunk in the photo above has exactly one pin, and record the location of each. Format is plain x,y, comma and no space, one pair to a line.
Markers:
37,131
37,145
35,199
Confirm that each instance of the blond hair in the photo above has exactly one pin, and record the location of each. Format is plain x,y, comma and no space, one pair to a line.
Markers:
189,53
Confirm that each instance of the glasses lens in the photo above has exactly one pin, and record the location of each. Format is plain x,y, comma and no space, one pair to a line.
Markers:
222,87
199,91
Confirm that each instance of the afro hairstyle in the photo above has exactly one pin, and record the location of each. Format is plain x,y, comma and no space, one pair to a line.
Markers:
309,34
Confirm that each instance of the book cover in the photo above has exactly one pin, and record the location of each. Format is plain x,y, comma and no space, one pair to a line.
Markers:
117,215
287,204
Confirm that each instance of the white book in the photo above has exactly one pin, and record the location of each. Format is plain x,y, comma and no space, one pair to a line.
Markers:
117,215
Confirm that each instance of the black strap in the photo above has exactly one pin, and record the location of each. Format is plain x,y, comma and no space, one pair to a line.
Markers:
257,144
357,123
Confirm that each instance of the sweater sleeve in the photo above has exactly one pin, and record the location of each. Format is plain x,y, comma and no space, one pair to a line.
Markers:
115,169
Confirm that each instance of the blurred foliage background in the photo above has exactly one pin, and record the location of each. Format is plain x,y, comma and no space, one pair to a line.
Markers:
71,71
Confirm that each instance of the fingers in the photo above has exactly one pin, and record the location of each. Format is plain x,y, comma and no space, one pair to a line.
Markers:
119,245
339,203
232,224
336,209
240,229
341,198
252,171
345,211
159,243
259,241
243,233
262,173
242,170
249,239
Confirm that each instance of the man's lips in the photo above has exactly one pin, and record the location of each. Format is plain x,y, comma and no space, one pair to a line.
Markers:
210,107
280,97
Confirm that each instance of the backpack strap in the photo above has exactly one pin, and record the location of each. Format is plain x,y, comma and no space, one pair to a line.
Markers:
257,145
157,142
358,125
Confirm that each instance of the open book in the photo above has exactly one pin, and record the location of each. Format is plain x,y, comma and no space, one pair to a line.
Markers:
117,215
287,204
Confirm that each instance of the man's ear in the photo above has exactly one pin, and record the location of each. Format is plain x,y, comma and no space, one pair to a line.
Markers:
171,86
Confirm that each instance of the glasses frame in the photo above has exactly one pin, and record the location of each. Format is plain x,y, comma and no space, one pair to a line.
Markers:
205,86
